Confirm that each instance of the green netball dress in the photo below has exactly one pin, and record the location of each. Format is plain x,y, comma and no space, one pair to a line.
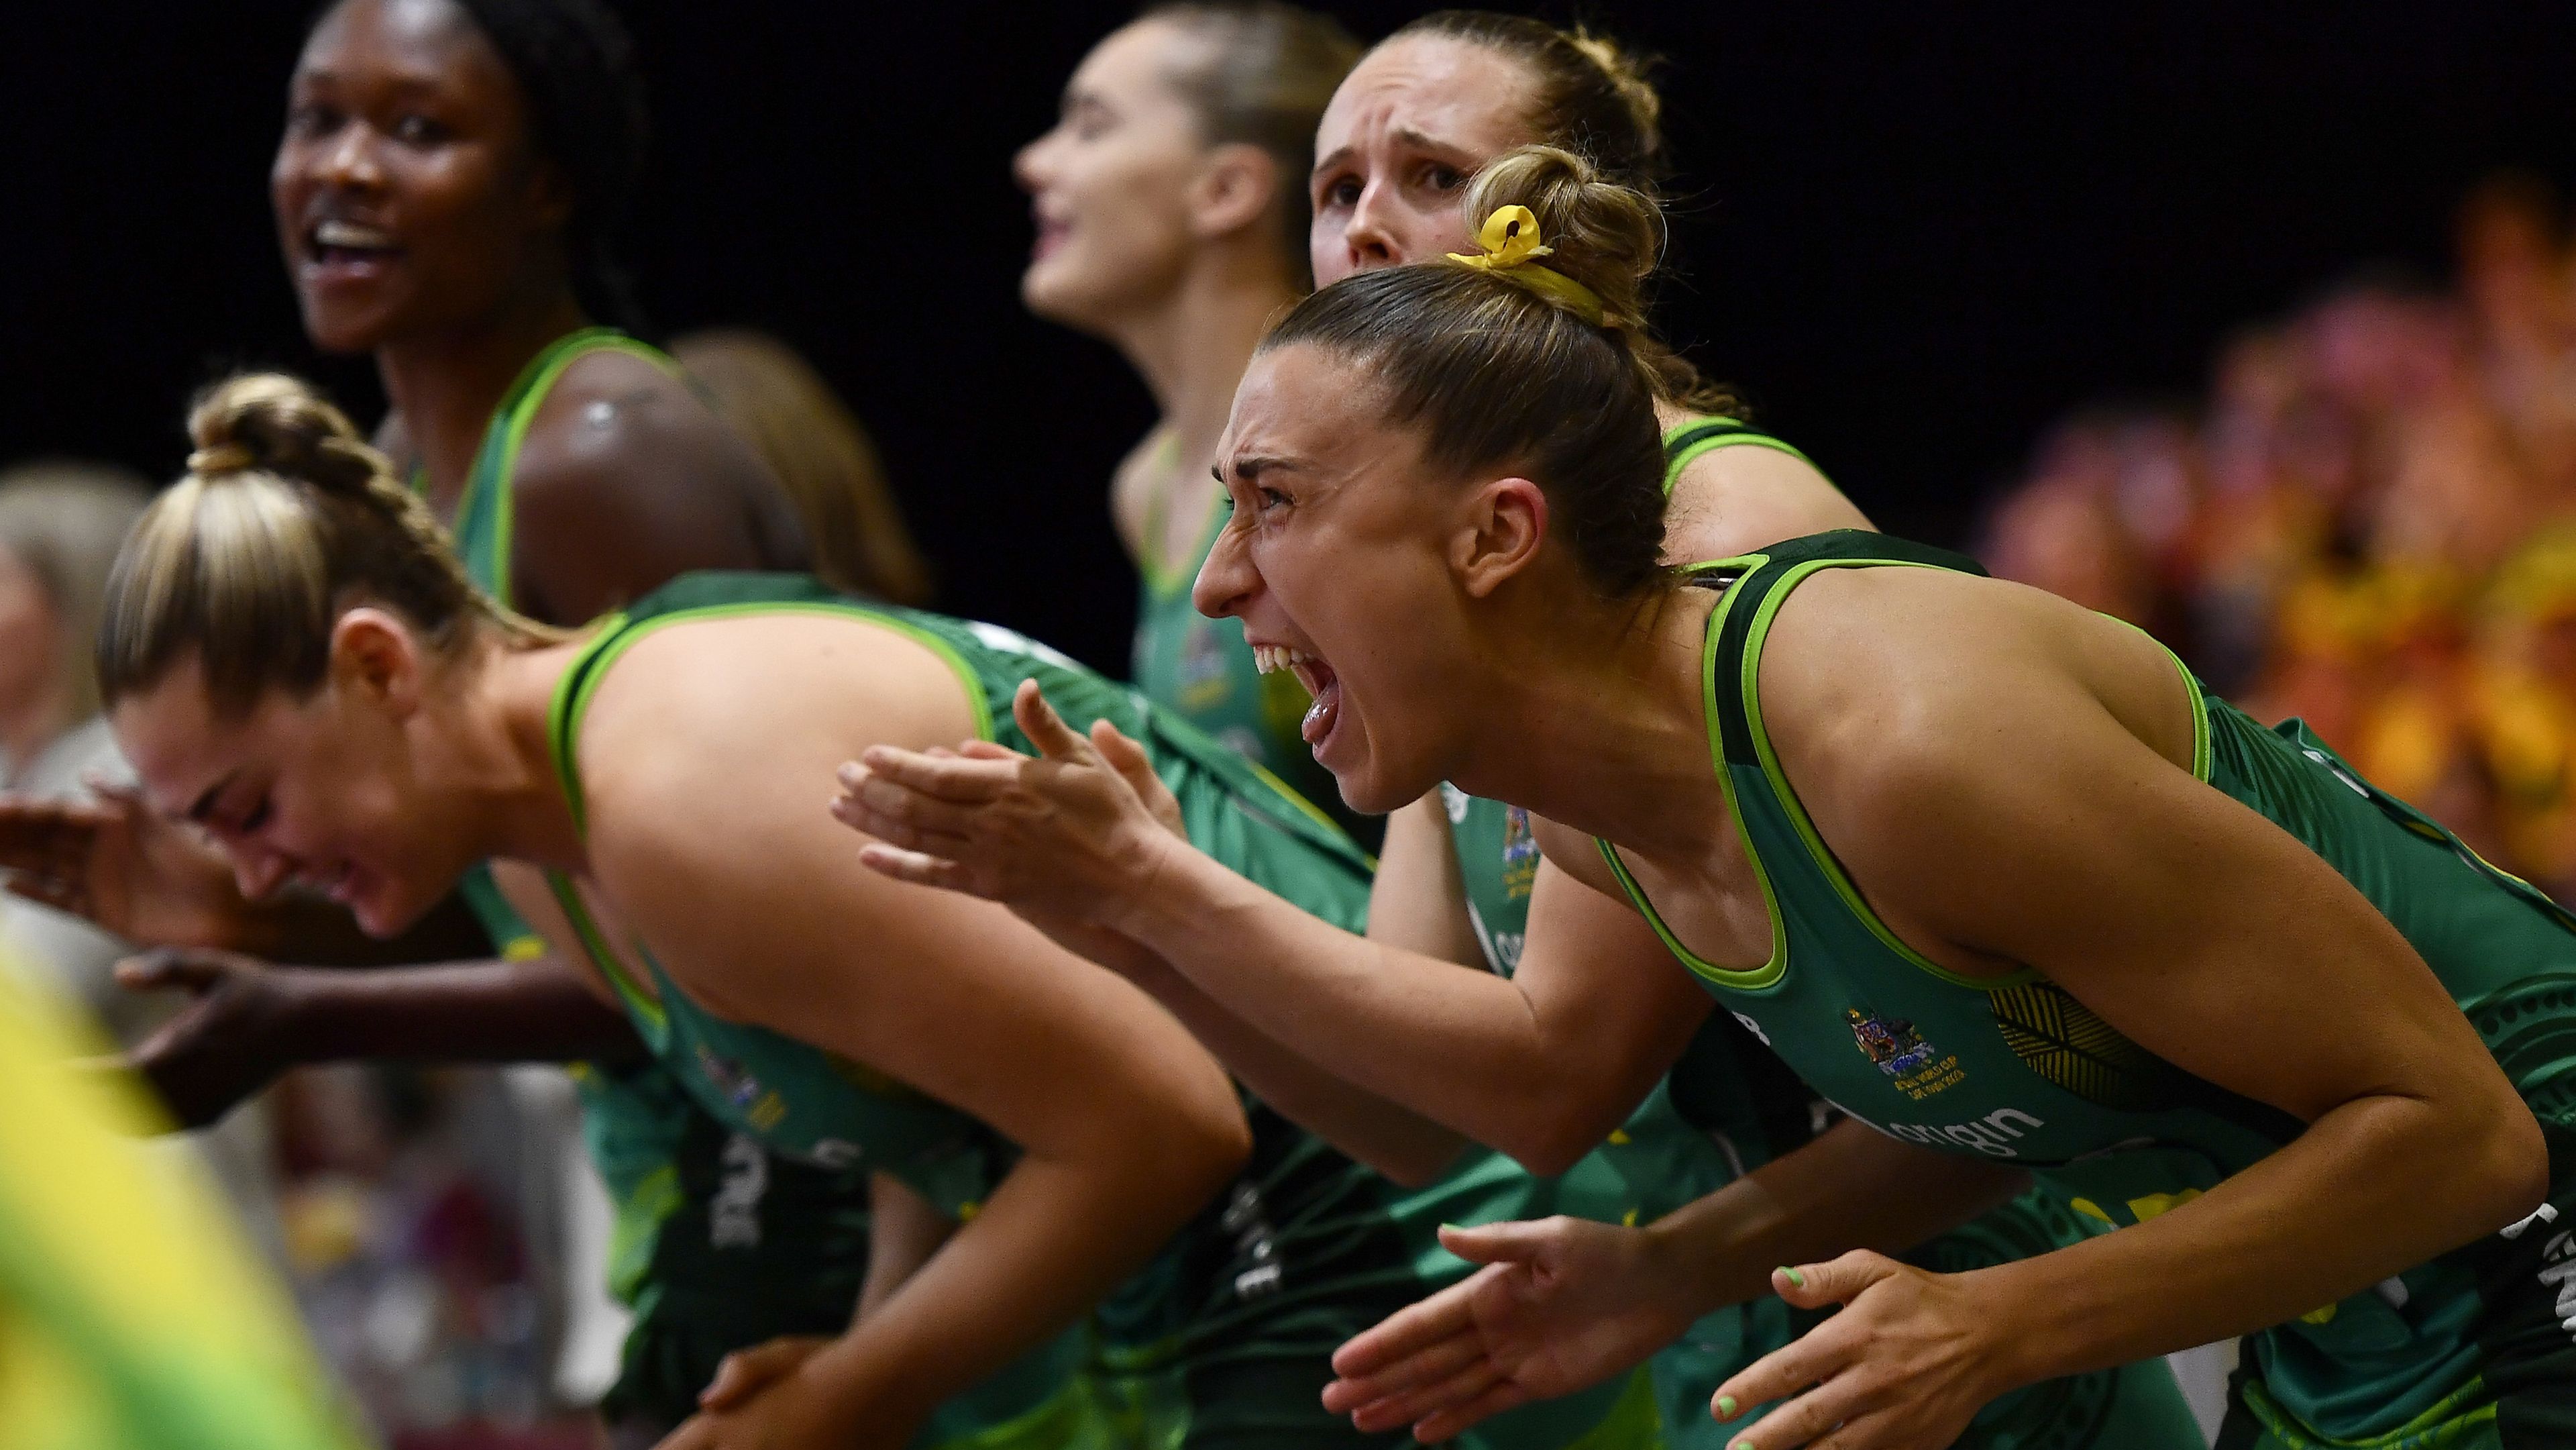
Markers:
1739,1110
1224,1339
1201,670
2474,1348
715,1245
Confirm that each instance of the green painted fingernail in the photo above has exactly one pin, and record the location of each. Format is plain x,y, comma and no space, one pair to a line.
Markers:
1741,1445
1726,1407
1793,1275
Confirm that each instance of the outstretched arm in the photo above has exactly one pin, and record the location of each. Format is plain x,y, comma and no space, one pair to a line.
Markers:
2015,812
252,1021
704,832
1541,1066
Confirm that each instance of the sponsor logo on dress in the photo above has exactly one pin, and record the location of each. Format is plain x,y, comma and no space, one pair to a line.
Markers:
1206,677
733,1215
741,1091
1991,1135
1914,1065
1520,854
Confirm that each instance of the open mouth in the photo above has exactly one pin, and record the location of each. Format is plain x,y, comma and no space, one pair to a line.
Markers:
1320,682
347,248
1050,237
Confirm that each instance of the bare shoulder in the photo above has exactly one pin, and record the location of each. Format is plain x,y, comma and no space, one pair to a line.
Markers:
613,414
1884,691
1577,855
1732,501
731,710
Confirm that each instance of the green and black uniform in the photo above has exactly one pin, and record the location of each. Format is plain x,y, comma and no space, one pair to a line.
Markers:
1224,1339
1201,670
1738,1109
716,1245
2475,1348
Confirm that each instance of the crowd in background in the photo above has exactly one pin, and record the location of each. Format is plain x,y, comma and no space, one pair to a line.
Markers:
2369,522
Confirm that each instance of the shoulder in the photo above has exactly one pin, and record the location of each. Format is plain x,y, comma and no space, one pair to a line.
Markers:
614,418
709,708
1736,499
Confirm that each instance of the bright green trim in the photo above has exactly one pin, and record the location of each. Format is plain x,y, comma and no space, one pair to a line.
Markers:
615,638
528,396
1797,813
595,942
2200,744
1674,465
1771,971
2451,1421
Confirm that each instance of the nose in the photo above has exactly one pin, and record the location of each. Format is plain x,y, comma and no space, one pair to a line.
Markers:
1369,236
349,160
1228,580
257,870
1026,165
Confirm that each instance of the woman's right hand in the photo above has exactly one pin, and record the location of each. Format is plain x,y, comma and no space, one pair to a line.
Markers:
222,1047
120,864
1561,1304
1077,834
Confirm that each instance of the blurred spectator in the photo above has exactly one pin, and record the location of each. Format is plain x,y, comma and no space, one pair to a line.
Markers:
791,417
60,524
2370,523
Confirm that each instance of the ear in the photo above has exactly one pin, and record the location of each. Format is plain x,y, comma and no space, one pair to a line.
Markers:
1233,190
550,195
1499,534
376,656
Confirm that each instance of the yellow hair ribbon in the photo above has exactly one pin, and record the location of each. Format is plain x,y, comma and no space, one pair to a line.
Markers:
1511,242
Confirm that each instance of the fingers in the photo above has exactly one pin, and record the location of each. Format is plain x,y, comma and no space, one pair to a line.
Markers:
1461,1386
1448,1424
1124,754
197,972
1044,727
1813,1286
918,868
51,891
746,1370
1511,1242
1828,1417
1428,1364
958,777
1782,1375
698,1432
902,816
1376,1351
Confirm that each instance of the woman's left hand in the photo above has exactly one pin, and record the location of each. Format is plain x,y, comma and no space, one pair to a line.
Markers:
1911,1357
771,1397
1078,834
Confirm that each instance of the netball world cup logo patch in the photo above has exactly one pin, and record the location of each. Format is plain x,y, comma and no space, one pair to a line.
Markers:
1914,1065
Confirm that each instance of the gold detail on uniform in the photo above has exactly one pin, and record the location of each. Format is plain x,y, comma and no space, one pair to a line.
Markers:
2060,1039
2155,1205
1619,1137
1628,1219
966,1212
767,1113
2318,1316
2090,1209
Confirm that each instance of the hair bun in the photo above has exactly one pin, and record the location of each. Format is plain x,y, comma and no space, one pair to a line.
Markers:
272,423
1626,74
1606,236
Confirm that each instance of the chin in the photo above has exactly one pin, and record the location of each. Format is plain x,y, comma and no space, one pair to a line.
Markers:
336,331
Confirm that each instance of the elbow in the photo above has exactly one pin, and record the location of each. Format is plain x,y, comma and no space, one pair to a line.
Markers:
2511,1166
1551,1148
1209,1145
1420,1169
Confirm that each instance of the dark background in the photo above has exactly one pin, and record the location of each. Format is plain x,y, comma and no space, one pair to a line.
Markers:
1914,234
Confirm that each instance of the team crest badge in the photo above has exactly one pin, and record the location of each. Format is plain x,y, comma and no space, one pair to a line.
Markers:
741,1090
1520,854
1894,1046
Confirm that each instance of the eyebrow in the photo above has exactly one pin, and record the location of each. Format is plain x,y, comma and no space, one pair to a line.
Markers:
1254,465
204,804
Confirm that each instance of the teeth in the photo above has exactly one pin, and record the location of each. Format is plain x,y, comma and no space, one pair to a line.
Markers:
1271,658
347,234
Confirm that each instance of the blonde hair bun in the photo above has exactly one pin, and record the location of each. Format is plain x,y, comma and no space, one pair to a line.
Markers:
272,423
1606,236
